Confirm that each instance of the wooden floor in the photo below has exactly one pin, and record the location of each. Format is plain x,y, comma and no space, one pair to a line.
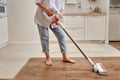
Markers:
35,69
115,44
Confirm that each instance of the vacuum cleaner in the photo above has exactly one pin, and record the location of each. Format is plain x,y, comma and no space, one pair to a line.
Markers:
55,20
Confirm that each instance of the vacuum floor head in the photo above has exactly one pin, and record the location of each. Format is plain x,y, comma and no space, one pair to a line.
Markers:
98,67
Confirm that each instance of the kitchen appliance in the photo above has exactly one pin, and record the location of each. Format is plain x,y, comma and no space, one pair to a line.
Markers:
3,8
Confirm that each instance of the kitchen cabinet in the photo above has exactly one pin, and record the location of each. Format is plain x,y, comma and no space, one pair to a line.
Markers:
3,30
95,27
114,30
86,27
75,26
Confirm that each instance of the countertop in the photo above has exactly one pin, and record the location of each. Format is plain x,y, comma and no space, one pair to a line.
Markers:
85,14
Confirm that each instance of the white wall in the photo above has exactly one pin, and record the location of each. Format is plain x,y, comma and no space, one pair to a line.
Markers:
21,21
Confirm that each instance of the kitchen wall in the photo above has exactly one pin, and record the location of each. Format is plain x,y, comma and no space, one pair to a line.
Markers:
21,13
21,21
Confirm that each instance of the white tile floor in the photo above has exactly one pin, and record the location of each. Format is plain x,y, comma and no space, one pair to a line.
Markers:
14,56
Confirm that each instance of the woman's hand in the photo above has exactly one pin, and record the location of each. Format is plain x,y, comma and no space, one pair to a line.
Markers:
49,12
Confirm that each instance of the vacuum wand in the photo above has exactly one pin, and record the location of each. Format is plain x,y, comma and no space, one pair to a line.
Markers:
55,19
97,67
62,26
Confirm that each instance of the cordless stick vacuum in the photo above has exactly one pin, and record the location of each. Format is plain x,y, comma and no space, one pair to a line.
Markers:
56,20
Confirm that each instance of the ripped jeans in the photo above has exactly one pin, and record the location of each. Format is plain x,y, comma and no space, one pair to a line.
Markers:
44,37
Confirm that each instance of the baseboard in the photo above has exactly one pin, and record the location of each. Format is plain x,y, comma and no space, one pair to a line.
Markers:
33,42
23,42
3,44
53,41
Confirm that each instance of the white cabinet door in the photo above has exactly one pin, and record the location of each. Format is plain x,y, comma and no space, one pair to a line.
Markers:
95,28
74,21
75,26
76,33
114,29
3,30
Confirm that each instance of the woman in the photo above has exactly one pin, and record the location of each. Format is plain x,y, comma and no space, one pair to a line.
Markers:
43,24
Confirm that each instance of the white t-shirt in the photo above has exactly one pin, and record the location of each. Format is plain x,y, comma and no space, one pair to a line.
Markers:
40,18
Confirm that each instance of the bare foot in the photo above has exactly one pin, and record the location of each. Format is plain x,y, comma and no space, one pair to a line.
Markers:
48,62
68,60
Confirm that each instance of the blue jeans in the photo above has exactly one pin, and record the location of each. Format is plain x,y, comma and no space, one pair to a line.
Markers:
44,36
